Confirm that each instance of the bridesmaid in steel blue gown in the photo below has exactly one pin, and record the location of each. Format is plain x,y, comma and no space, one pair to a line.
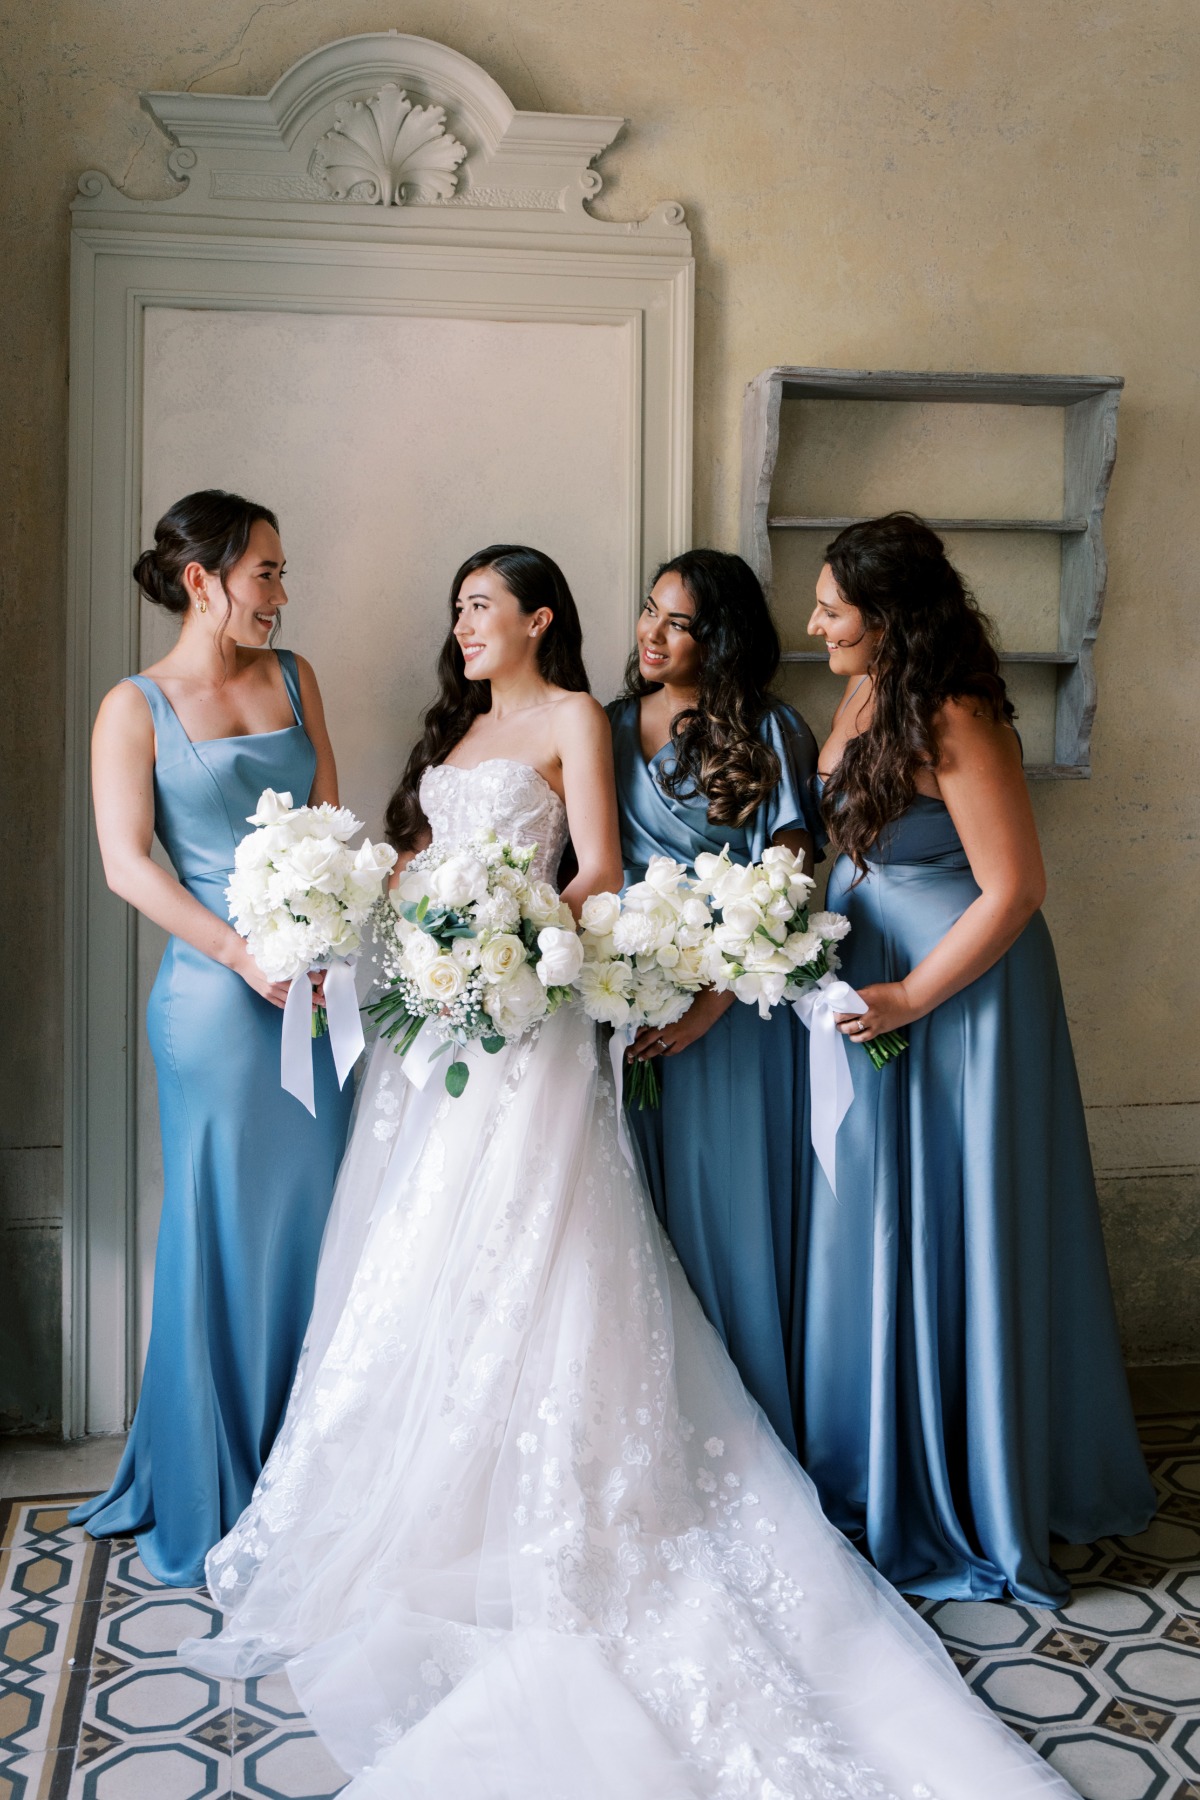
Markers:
963,1395
183,752
706,757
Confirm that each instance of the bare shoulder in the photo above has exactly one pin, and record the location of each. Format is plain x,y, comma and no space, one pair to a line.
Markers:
125,710
969,733
581,716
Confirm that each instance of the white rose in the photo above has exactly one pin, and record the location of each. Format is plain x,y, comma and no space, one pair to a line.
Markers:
600,913
463,877
542,905
501,956
412,887
271,808
799,888
667,955
766,988
714,966
829,925
511,880
315,862
664,875
419,951
605,988
374,860
779,864
694,914
598,948
736,883
345,938
515,1004
742,916
282,949
441,980
634,934
334,821
689,971
761,955
466,952
709,868
729,942
560,956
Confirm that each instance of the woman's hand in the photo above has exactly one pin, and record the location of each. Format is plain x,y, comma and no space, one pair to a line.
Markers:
242,963
317,977
669,1040
889,1008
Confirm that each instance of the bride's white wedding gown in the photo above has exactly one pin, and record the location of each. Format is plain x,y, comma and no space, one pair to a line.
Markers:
524,1534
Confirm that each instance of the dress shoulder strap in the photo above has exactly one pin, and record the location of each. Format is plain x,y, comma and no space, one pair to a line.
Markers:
291,681
166,720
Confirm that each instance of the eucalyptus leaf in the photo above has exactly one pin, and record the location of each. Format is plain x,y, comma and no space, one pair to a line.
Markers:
456,1078
492,1044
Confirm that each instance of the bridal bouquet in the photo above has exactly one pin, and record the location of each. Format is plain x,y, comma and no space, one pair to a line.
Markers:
768,947
646,953
300,894
471,949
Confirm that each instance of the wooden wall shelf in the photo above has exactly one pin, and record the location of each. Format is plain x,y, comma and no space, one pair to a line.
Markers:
1089,404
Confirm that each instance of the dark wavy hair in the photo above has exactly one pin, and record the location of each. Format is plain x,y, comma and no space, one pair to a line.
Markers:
718,752
534,581
211,528
936,645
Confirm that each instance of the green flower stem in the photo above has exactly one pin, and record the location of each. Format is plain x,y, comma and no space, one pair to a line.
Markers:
886,1048
320,1021
642,1086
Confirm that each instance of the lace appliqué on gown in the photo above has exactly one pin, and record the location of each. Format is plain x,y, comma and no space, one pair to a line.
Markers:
521,1499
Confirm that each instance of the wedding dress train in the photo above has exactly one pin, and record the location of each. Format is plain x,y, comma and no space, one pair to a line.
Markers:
524,1534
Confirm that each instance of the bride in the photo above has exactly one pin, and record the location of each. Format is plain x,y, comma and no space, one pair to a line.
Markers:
524,1535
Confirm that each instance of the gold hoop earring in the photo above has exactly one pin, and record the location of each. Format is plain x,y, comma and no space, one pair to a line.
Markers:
203,606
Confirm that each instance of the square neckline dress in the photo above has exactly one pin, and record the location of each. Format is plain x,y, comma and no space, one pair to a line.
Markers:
248,1175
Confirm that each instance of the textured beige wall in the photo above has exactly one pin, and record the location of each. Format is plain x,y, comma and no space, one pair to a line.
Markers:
952,184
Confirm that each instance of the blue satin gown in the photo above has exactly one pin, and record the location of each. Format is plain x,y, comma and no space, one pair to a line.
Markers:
248,1177
722,1155
964,1398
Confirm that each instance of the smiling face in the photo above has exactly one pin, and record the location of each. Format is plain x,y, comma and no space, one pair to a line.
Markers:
667,650
497,639
850,643
253,588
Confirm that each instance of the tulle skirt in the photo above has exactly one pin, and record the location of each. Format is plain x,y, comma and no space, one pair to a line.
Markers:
524,1533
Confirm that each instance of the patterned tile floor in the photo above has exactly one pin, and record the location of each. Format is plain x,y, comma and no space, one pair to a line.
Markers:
95,1706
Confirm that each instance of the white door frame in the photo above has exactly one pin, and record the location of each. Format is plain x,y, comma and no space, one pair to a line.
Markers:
492,224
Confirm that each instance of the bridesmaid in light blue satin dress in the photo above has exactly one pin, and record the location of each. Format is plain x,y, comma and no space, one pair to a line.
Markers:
722,1154
183,752
963,1396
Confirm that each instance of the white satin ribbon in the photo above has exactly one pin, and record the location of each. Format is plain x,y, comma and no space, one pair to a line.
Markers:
345,1029
417,1061
618,1044
830,1084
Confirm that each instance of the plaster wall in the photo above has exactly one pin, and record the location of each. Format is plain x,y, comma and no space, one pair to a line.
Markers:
951,185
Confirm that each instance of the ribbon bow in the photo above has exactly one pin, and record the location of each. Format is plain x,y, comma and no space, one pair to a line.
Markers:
345,1029
831,1086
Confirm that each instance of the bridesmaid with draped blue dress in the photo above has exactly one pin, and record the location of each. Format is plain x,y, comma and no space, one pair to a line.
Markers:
963,1399
706,756
182,752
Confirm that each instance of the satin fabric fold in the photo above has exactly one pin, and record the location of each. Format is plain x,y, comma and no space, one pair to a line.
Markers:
248,1179
964,1399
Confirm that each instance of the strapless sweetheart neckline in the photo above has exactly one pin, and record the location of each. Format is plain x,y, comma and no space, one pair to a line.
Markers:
512,762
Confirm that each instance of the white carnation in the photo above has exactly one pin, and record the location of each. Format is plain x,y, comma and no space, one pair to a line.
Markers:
634,934
829,925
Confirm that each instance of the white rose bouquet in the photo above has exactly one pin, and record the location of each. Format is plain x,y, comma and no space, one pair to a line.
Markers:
471,949
300,894
645,957
766,944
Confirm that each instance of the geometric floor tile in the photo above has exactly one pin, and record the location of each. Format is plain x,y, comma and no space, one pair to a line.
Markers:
95,1705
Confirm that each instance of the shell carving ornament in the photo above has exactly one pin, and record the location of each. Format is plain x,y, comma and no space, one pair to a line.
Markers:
388,152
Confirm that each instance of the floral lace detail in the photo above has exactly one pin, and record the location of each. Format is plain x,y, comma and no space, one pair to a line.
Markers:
500,795
510,1402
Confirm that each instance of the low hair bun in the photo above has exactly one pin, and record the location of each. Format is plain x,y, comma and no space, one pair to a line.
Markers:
211,528
149,575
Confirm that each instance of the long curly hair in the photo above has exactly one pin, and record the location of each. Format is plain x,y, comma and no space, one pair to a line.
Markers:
936,645
718,752
534,581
